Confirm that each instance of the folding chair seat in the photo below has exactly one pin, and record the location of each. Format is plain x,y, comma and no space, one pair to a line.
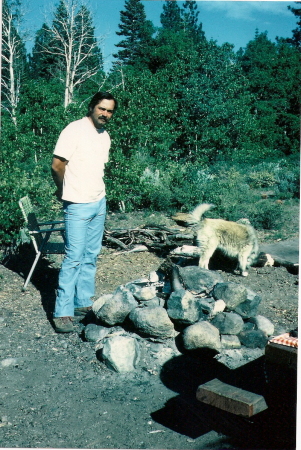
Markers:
40,236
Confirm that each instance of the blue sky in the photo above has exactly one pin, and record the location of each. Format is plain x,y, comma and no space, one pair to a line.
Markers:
224,21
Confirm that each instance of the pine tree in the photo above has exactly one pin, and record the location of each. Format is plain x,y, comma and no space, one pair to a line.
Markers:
296,39
137,32
41,63
273,73
190,14
171,16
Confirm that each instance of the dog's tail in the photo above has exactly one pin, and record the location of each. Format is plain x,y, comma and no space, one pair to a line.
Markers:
196,215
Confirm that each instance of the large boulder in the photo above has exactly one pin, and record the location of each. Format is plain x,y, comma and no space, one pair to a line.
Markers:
113,308
199,280
183,307
228,323
233,294
249,307
121,353
201,335
95,333
152,321
253,338
263,324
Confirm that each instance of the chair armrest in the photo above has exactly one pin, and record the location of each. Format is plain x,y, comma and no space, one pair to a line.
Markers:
50,230
53,222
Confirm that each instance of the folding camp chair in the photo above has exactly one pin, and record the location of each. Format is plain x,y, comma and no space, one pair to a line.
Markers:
40,236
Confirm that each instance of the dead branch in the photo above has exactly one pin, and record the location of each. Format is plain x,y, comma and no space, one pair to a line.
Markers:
153,237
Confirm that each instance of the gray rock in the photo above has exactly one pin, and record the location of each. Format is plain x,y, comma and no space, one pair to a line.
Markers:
235,358
95,333
100,302
218,306
263,324
156,301
249,307
248,326
116,307
142,292
9,362
153,277
121,353
201,335
182,307
253,338
232,293
199,280
205,308
230,341
228,323
153,321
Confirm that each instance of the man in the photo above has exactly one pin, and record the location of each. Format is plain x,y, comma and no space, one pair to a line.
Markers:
77,169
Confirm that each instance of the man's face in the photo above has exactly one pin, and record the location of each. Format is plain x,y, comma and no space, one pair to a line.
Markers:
102,113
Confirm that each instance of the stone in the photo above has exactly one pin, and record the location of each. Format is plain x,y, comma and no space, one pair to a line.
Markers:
218,306
8,362
199,280
116,307
152,321
95,333
142,292
230,341
228,323
249,307
232,293
182,307
121,353
253,338
153,277
201,335
100,302
156,301
249,326
263,324
205,308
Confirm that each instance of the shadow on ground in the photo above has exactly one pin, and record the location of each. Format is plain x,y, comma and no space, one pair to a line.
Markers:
44,278
274,428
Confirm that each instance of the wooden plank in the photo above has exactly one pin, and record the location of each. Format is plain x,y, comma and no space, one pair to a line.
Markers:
230,398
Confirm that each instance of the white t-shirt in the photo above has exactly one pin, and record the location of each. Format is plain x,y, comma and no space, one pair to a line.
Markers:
87,150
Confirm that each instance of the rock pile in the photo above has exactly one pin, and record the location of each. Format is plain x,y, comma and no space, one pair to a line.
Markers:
196,306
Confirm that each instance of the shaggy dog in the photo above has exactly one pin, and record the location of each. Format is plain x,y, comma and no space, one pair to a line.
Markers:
235,239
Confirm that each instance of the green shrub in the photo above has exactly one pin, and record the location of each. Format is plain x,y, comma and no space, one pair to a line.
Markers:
262,179
265,215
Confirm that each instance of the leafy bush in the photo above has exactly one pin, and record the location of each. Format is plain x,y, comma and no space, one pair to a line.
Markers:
265,215
263,178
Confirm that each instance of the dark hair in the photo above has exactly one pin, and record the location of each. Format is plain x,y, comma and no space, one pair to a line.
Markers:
98,97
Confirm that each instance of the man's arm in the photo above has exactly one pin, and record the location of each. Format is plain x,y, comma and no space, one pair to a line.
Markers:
58,168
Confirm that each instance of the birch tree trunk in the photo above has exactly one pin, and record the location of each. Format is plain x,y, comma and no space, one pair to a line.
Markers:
13,58
73,46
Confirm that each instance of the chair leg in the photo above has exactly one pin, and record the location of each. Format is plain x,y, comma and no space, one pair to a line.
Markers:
31,271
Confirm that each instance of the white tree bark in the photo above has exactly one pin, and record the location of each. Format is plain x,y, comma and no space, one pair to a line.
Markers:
10,55
71,47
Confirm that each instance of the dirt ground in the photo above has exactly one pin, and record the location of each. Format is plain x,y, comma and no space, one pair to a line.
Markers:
56,393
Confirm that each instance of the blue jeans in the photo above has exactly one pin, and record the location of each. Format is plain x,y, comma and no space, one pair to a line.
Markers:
84,224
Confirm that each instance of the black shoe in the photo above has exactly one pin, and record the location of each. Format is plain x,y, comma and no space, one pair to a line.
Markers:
63,324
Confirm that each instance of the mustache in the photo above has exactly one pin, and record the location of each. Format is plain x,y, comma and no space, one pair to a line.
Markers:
103,118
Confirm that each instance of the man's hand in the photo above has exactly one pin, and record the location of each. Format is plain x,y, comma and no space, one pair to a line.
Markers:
58,171
58,193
